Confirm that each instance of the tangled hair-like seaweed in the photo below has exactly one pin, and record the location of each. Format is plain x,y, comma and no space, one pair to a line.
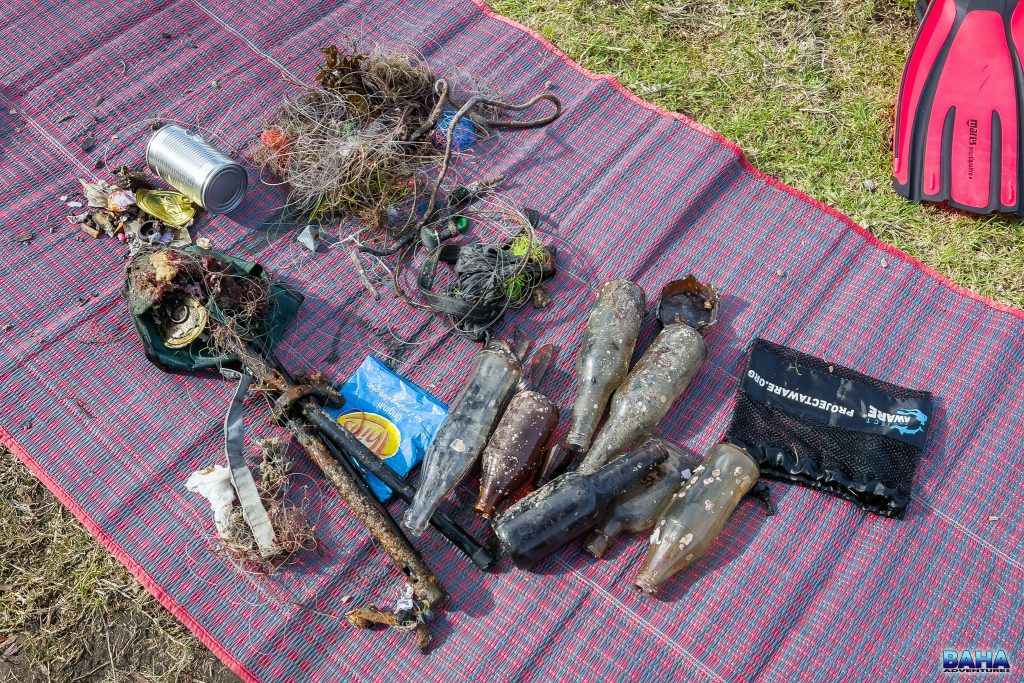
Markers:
292,532
345,148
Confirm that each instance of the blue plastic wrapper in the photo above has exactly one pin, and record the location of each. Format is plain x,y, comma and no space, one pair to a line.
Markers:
394,418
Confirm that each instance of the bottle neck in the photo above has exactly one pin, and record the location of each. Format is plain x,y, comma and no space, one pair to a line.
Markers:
617,475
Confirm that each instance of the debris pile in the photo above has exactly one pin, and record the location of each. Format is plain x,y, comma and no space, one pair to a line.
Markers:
132,211
292,532
357,143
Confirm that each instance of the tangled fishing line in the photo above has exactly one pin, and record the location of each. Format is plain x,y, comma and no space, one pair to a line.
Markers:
375,140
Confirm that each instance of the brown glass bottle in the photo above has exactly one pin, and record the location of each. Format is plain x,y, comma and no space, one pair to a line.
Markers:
602,361
569,505
650,389
513,451
638,508
696,514
461,437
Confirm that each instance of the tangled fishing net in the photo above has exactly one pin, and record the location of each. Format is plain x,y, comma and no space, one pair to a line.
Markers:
292,532
352,145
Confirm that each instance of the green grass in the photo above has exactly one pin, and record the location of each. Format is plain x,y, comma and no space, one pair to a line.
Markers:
70,612
805,88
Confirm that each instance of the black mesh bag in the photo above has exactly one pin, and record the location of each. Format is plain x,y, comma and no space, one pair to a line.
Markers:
818,424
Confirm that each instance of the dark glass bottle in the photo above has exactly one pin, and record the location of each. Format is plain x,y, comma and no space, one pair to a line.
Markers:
653,385
696,514
638,508
569,505
513,451
461,438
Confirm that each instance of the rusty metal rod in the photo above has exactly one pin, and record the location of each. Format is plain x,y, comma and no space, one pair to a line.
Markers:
341,442
426,588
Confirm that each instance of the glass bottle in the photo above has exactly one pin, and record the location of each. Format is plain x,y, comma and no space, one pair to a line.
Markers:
569,505
637,509
513,451
697,514
653,385
462,436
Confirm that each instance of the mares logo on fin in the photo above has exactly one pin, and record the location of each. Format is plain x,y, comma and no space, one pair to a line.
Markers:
905,421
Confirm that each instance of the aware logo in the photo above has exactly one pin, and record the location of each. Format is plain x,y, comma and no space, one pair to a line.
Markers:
978,661
906,422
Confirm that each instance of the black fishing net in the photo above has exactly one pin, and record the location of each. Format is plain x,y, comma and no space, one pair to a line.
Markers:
821,425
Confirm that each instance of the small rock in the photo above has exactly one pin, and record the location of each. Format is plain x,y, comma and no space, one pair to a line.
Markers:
214,84
166,36
64,197
309,237
23,237
75,205
204,243
14,112
884,263
88,142
549,85
53,229
780,272
993,518
98,101
156,125
870,185
99,163
65,117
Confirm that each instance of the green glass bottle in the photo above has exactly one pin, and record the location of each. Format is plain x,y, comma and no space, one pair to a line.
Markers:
650,389
602,361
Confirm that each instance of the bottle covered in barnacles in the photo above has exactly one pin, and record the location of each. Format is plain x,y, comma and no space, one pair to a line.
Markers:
696,514
513,451
638,508
601,364
461,438
569,505
604,355
647,394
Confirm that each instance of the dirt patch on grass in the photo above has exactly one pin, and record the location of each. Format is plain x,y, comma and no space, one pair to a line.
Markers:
70,612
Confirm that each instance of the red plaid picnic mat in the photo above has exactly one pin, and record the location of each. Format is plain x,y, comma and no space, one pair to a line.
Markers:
820,591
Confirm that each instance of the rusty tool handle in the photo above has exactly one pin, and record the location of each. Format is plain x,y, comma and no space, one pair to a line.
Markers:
483,556
340,442
374,516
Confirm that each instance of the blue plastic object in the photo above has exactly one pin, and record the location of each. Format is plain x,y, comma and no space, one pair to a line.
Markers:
464,136
394,418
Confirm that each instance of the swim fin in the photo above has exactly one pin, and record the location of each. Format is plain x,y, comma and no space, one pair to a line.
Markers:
958,115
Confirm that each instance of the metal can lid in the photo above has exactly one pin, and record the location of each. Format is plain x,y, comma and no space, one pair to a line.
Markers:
225,188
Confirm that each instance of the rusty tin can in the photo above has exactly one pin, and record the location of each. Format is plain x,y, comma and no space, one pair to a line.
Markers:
190,165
